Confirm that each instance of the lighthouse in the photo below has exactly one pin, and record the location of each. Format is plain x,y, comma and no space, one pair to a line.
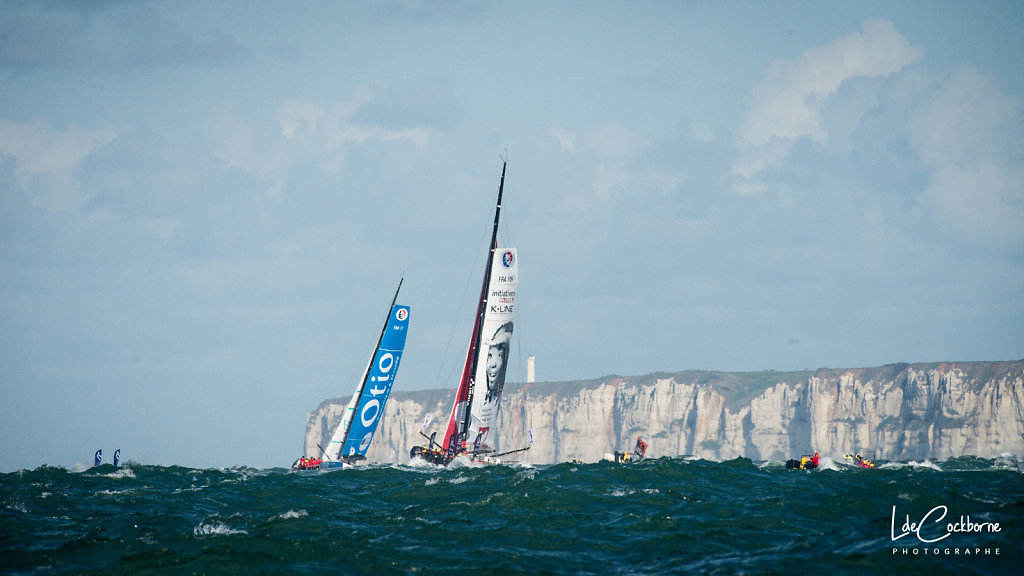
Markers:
530,373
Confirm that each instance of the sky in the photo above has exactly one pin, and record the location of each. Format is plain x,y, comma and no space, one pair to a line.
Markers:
205,207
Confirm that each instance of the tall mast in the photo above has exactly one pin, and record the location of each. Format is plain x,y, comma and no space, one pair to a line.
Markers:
482,308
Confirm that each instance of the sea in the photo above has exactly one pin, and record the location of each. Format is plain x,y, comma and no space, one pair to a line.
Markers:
678,515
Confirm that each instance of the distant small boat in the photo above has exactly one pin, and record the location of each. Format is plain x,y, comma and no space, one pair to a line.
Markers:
353,435
859,461
636,456
97,458
804,463
117,457
475,412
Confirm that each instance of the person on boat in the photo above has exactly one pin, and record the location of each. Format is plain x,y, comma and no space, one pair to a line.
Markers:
864,463
809,462
641,449
804,463
497,359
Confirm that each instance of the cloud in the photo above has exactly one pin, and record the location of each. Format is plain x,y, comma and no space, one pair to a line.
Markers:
242,146
949,142
46,160
620,171
613,141
615,157
304,132
967,134
566,139
787,104
113,36
423,102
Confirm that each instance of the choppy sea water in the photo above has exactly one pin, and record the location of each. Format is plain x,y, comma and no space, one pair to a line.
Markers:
664,516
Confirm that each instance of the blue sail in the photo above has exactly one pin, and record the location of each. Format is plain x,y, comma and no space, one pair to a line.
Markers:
377,385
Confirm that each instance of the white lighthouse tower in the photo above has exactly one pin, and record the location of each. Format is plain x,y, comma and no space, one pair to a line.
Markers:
530,370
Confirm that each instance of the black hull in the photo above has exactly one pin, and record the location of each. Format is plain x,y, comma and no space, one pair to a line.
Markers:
632,457
798,465
433,456
626,458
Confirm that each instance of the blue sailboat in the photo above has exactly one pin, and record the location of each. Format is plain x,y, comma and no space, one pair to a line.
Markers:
353,435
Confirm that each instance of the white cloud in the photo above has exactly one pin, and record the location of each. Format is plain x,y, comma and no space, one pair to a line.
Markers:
299,118
616,150
614,146
46,159
964,120
421,102
612,141
961,132
305,132
566,139
787,104
241,146
966,132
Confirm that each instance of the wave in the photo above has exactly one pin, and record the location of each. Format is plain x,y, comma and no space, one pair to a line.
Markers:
216,529
657,516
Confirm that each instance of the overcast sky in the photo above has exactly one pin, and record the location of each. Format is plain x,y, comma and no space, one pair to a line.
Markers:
205,207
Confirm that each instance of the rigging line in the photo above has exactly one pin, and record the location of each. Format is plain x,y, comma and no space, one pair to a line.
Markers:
455,322
519,342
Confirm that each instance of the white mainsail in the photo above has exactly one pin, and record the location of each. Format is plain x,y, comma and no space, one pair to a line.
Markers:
334,447
495,344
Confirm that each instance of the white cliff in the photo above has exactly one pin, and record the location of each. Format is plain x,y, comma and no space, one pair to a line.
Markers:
896,412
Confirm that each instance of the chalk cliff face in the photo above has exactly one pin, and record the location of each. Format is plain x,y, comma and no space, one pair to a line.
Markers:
896,412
